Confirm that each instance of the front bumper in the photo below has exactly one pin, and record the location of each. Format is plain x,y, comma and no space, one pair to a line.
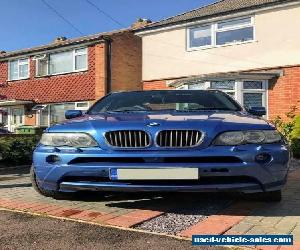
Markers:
90,173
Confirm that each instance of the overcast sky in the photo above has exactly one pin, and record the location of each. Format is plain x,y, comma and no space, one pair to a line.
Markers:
27,23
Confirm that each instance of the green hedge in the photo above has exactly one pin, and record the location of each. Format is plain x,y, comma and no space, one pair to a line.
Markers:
17,149
295,147
295,141
296,130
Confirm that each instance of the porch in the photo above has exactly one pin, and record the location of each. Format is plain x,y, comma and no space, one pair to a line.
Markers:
16,113
12,114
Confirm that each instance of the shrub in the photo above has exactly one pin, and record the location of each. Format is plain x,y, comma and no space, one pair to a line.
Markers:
290,128
295,141
17,149
286,126
295,147
296,130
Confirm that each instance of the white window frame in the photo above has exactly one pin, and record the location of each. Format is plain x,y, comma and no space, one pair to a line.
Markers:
37,61
236,27
215,29
19,64
74,54
38,115
227,91
188,31
263,91
80,54
82,108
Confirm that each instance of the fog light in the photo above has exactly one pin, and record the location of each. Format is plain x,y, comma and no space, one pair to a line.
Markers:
52,159
263,158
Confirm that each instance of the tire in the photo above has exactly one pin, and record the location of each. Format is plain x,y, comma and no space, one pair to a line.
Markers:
48,193
272,196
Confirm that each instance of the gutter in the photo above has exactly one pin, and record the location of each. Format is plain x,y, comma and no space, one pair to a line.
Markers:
108,43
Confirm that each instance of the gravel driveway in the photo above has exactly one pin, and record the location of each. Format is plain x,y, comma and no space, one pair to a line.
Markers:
181,218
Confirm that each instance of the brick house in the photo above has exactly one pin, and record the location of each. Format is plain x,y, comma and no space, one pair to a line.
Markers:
249,49
38,84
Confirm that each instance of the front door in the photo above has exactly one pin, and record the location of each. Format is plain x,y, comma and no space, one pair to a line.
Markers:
17,118
4,114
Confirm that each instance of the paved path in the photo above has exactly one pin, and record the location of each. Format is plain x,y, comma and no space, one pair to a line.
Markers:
178,214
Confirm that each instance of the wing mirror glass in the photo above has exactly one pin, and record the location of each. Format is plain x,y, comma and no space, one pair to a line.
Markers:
257,111
70,114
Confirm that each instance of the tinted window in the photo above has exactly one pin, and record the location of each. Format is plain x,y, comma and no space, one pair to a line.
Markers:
180,100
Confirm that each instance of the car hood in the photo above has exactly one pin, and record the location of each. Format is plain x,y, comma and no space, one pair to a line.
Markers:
234,120
209,123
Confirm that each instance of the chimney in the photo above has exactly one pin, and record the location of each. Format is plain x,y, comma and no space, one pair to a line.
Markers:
60,39
141,22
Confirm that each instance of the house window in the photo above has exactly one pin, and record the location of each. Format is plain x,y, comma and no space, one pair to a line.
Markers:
19,69
253,100
82,106
200,36
253,85
62,62
57,112
254,94
234,31
227,86
42,65
50,114
222,33
80,59
249,93
223,85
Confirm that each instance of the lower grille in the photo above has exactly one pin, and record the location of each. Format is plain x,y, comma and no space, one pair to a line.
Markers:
173,160
179,138
128,138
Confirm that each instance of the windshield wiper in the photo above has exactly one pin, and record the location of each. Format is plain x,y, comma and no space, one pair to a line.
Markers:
125,111
205,110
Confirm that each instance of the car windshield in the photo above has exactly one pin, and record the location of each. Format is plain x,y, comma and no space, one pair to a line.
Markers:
167,100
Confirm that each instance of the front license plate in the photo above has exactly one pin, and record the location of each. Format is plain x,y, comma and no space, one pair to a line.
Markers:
155,174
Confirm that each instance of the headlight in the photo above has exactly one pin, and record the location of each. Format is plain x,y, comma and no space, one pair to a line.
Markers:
78,140
234,138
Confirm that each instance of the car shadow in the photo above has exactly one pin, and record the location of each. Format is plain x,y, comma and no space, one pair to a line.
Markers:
232,204
15,185
16,171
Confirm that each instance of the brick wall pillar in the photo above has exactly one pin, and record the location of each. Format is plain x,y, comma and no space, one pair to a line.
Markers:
100,70
284,93
155,85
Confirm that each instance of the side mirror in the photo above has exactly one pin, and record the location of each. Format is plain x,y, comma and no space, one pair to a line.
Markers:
70,114
257,111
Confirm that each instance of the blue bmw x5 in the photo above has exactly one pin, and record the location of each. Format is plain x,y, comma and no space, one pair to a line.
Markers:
168,140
